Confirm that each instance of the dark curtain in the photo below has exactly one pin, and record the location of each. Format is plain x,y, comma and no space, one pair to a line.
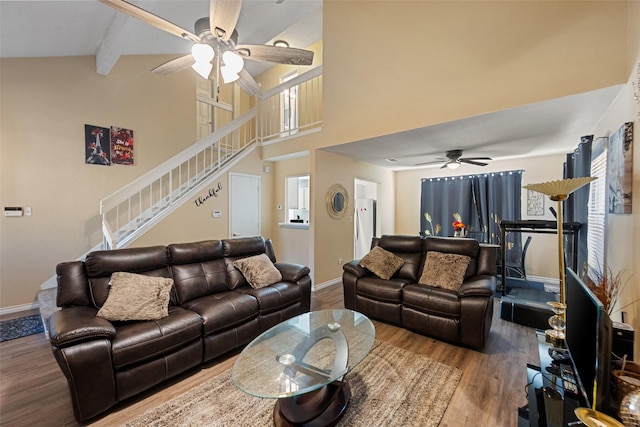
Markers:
576,207
482,202
441,199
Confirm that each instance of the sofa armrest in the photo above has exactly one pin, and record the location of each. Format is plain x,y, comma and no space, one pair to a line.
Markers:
354,268
292,272
77,324
483,285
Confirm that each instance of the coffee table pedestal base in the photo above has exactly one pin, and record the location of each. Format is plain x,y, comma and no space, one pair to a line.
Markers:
322,407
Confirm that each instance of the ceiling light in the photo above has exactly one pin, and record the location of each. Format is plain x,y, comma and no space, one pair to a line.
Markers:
453,164
203,68
202,52
229,75
281,43
233,61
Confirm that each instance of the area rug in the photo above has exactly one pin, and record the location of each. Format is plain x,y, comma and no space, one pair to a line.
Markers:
390,387
20,327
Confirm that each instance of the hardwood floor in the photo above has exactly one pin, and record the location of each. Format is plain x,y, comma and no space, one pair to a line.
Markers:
33,390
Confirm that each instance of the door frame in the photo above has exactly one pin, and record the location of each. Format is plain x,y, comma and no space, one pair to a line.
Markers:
259,178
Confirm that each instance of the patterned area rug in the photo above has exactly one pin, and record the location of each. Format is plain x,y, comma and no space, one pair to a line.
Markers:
390,387
20,327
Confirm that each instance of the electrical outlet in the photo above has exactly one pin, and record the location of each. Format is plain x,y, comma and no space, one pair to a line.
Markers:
27,211
340,261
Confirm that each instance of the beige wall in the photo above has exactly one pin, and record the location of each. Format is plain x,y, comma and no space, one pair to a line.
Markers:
333,238
44,106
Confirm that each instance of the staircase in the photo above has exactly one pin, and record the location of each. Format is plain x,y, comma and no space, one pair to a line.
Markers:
131,211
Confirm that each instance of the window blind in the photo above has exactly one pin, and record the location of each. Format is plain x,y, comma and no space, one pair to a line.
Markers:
597,207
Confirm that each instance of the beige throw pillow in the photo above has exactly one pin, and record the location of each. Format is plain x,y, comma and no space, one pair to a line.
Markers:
258,270
381,262
136,297
444,270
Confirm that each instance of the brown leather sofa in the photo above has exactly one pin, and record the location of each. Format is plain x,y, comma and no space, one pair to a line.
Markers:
462,316
212,311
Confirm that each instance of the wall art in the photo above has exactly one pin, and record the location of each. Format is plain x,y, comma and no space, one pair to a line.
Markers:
535,203
96,145
620,170
121,146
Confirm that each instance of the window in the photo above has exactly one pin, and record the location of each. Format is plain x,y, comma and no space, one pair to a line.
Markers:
289,106
597,206
297,190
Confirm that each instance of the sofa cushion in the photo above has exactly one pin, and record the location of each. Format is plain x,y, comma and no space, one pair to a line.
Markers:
100,265
198,269
258,270
435,301
274,297
224,310
136,342
136,297
409,248
452,245
381,262
380,289
444,270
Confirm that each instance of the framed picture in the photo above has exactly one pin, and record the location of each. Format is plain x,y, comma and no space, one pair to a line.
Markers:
96,145
620,170
121,146
535,203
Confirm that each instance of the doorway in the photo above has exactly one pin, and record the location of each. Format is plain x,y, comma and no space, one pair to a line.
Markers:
366,219
244,205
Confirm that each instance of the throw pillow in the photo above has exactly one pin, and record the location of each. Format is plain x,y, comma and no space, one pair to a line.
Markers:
381,262
258,270
444,270
136,297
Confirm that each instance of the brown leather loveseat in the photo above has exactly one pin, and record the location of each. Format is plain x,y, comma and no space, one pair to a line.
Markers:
460,315
212,311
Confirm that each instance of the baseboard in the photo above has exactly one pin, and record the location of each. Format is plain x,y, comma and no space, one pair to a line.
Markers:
18,308
326,284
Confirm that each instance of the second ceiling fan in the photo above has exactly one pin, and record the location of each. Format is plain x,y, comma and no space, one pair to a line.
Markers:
216,39
454,159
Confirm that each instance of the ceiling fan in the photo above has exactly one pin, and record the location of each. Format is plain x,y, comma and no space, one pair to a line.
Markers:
454,159
216,38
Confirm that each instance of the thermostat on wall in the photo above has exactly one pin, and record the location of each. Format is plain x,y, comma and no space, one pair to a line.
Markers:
12,211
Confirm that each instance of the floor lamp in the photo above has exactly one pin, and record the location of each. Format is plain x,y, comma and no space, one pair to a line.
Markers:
559,191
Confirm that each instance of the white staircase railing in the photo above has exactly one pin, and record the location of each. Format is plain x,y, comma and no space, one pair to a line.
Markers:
139,205
135,208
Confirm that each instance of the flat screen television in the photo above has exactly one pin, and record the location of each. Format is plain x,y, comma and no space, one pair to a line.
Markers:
588,336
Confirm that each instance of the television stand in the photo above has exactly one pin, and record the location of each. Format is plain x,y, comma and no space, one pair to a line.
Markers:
553,391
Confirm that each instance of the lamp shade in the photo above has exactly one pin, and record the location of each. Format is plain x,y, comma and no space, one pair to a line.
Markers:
560,189
202,52
453,165
233,61
229,75
203,68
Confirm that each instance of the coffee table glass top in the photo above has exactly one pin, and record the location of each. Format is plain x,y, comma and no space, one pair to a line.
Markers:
304,353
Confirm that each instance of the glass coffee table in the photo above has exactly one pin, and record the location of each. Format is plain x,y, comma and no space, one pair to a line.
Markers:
302,362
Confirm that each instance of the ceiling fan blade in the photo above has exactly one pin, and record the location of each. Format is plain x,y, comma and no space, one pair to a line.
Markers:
277,54
444,166
175,65
247,83
151,19
223,17
430,163
471,162
477,158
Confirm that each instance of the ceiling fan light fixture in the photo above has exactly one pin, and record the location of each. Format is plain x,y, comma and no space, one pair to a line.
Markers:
453,164
281,43
202,52
229,75
233,61
203,68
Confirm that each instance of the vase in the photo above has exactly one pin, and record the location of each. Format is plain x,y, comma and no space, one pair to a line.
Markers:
458,232
630,409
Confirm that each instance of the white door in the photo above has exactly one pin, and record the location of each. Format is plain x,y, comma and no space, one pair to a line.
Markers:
244,203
